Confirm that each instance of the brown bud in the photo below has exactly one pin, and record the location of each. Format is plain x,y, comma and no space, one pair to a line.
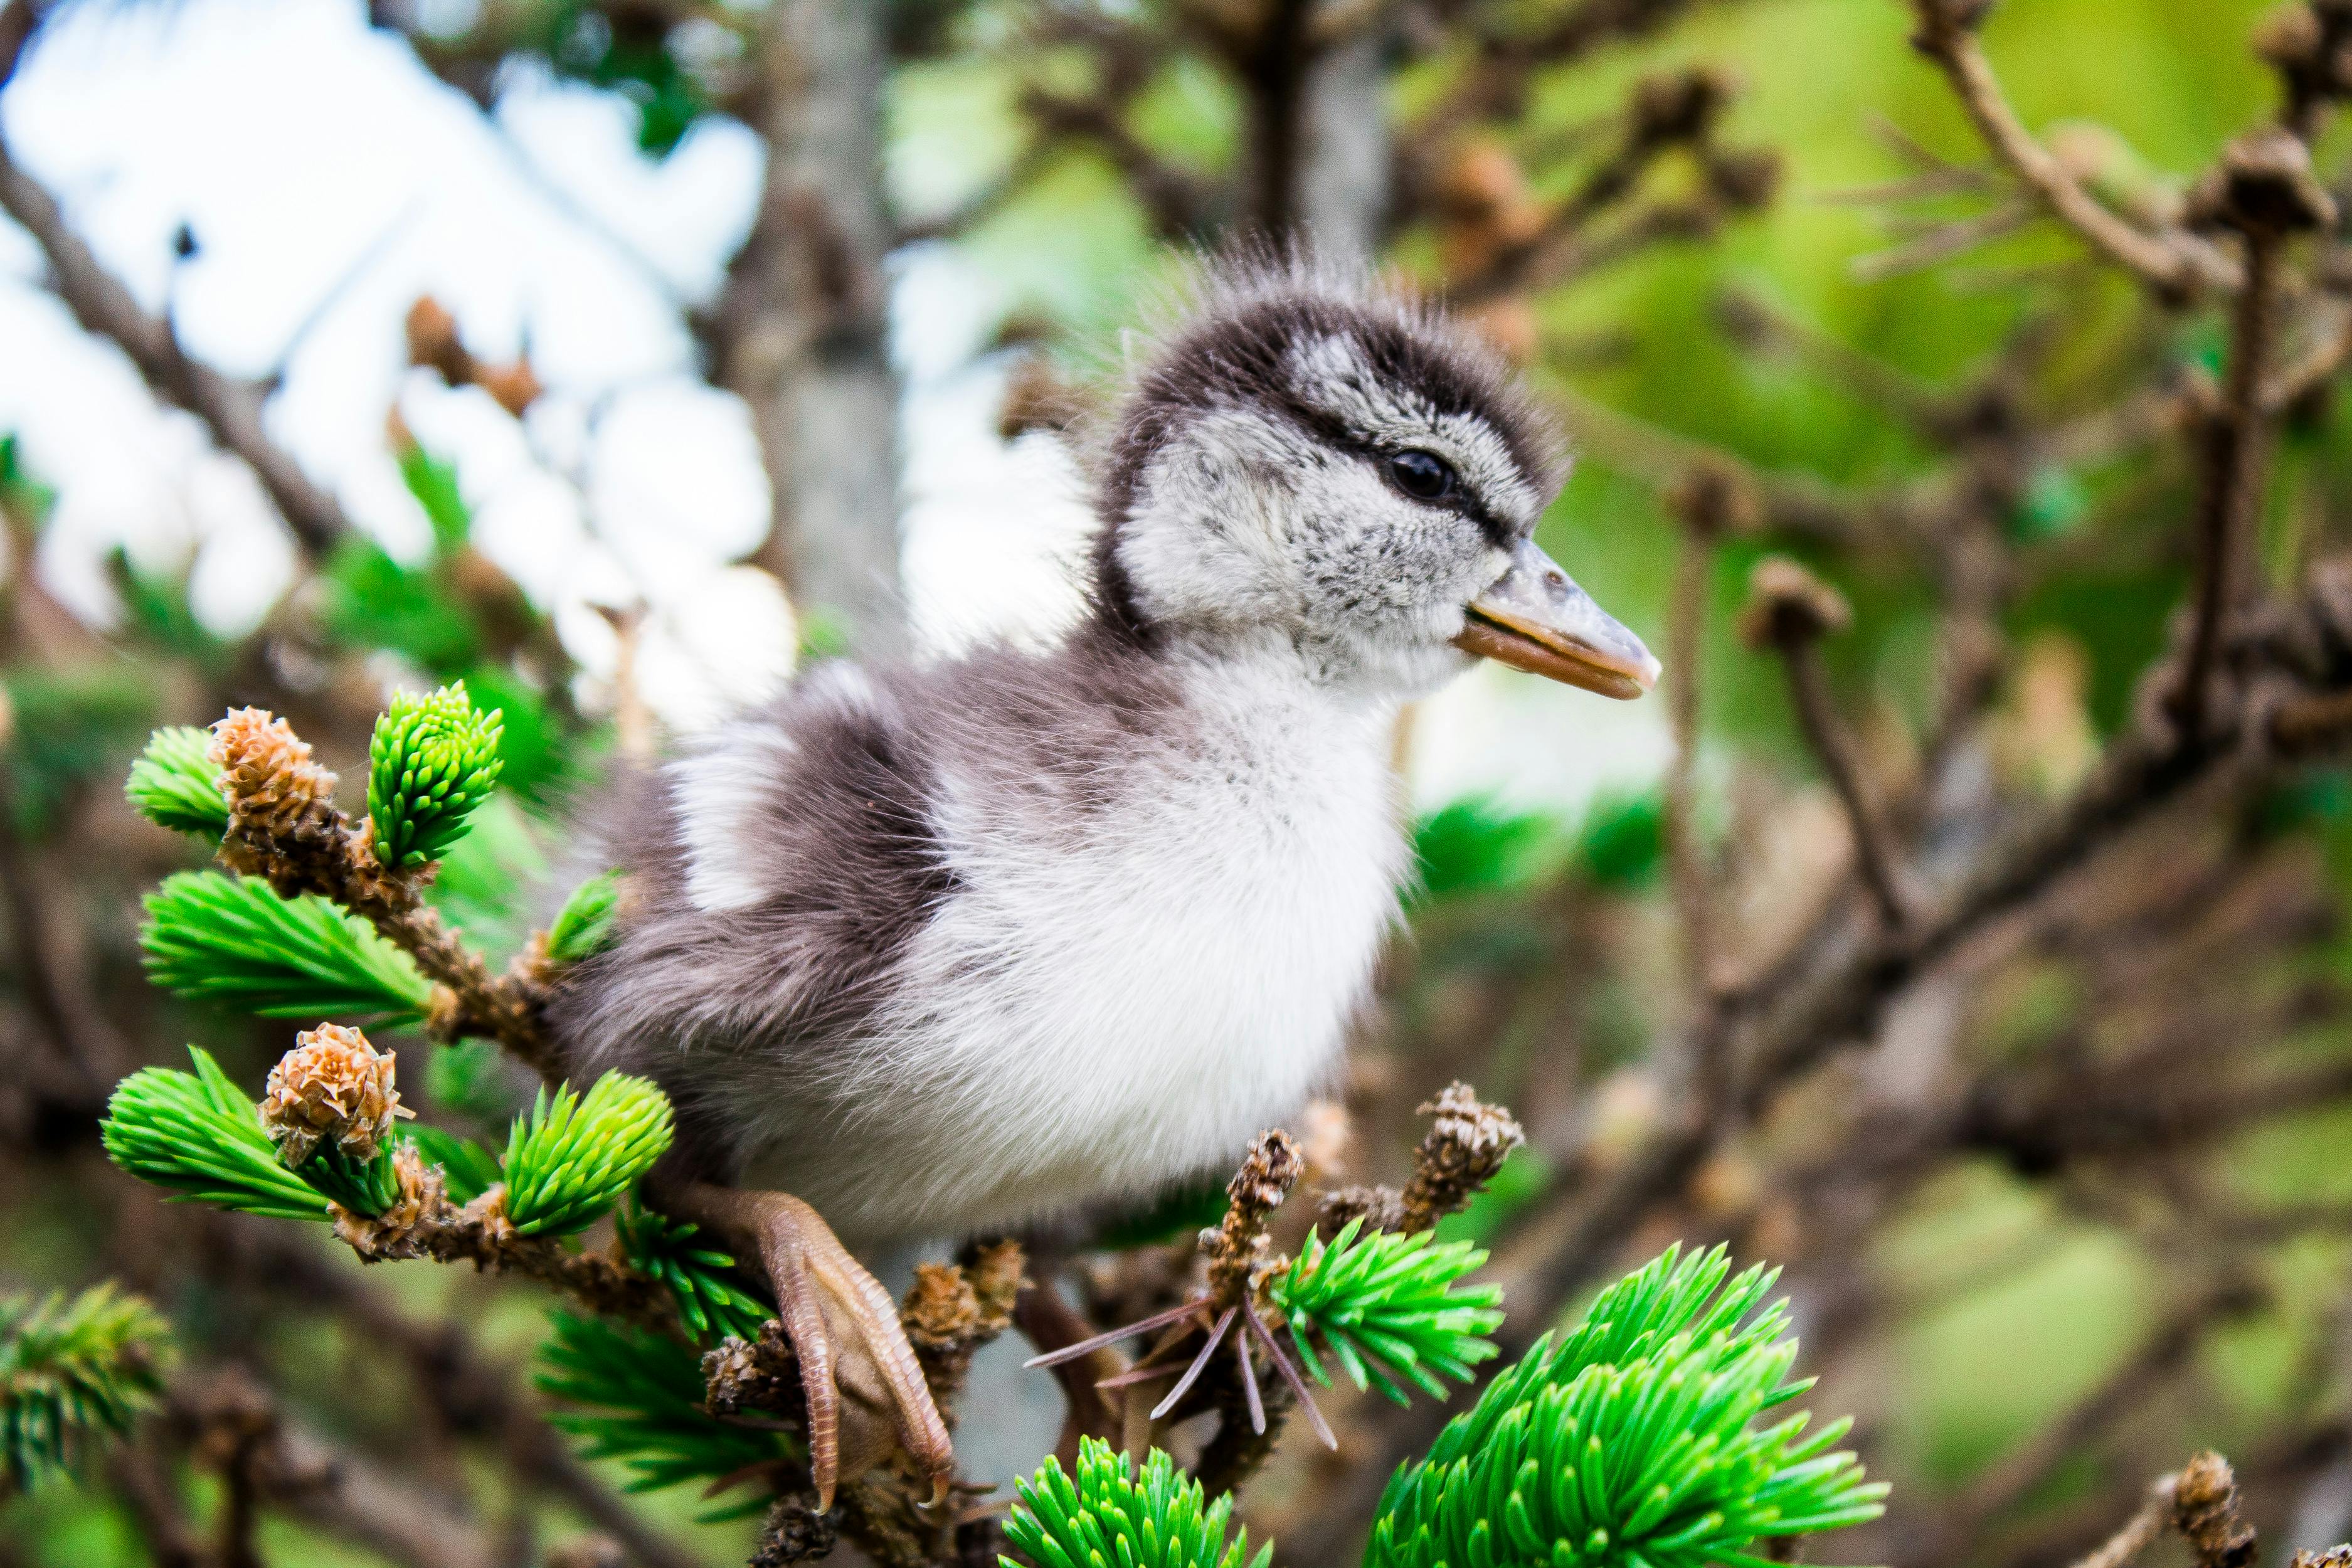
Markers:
940,1307
1713,499
2264,185
2205,1512
1788,605
1937,17
1236,1248
1467,1143
434,342
1380,1208
2290,38
1266,1175
795,1531
395,1233
1743,181
332,1087
513,387
1035,399
1682,107
272,783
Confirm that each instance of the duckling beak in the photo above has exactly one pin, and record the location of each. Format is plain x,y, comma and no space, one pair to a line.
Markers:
1538,620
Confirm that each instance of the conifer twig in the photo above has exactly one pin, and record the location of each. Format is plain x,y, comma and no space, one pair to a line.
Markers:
2265,191
425,1223
2124,1547
1788,611
2176,264
1467,1143
2205,1512
285,828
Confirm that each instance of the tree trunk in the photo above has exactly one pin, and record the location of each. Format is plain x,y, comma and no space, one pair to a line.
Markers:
801,332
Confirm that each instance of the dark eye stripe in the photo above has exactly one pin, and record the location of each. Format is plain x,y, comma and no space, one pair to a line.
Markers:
1332,431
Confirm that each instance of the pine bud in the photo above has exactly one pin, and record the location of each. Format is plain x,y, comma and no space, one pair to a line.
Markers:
2264,185
432,760
333,1085
273,784
1680,107
1788,605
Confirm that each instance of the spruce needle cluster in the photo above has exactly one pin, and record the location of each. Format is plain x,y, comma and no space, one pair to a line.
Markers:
575,1156
709,1303
199,1135
1110,1516
234,941
72,1370
432,760
174,784
1632,1442
584,925
1388,1307
639,1398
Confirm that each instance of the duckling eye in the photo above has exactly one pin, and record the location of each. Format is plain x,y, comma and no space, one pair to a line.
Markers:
1424,475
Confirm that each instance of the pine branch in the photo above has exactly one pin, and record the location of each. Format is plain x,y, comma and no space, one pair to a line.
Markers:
639,1400
284,828
175,784
573,1157
700,1277
1388,1307
74,1372
1633,1440
199,1136
233,942
1110,1514
432,760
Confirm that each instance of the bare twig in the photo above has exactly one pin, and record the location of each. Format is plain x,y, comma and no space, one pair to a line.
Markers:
2265,191
2176,264
1788,611
231,410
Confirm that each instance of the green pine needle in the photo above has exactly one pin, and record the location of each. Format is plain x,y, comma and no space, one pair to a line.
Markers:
199,1135
467,1169
433,760
710,1304
232,941
73,1370
639,1396
1387,1307
573,1157
173,785
1631,1442
366,1189
584,925
1110,1518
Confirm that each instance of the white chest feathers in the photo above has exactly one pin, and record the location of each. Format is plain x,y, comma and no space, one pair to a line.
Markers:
1122,995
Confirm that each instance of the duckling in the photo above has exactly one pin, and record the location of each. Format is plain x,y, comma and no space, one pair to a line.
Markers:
948,948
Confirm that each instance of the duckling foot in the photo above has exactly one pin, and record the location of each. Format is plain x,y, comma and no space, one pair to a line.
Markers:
865,1391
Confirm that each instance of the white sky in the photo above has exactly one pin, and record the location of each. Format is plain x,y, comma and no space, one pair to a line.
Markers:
331,181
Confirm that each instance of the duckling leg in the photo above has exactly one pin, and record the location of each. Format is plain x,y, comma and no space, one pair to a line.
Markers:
865,1391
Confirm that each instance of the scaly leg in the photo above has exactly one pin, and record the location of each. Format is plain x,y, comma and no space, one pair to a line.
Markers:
865,1391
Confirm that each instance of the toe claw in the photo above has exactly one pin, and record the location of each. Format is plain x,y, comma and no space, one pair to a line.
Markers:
866,1392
